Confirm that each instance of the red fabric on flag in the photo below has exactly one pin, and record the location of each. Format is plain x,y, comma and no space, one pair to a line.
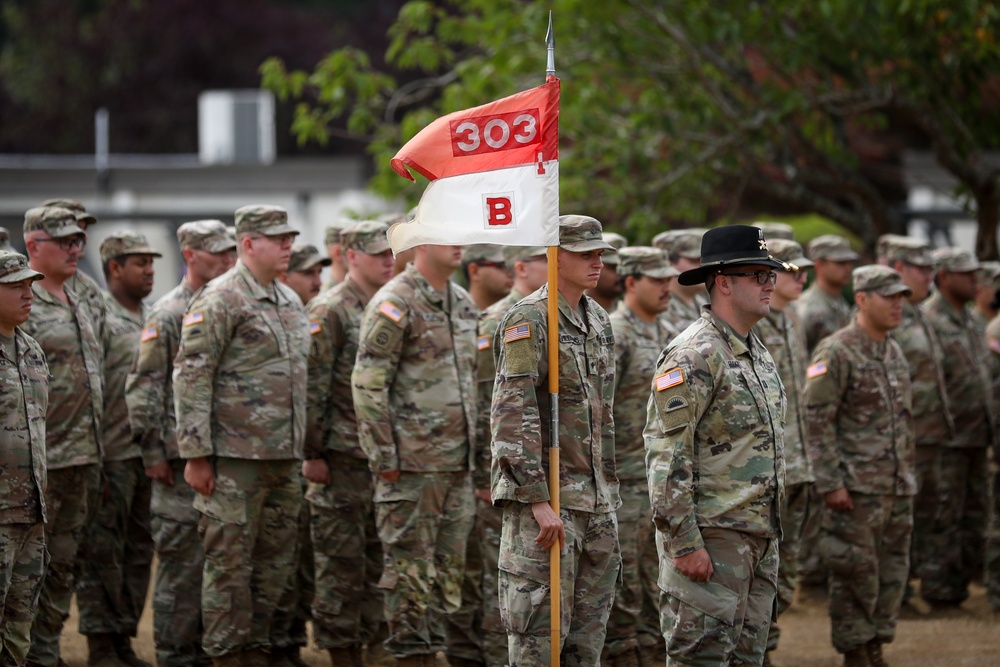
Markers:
516,130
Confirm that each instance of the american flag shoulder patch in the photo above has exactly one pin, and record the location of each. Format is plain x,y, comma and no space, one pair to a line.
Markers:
517,332
483,342
315,327
197,317
671,378
391,310
149,333
817,369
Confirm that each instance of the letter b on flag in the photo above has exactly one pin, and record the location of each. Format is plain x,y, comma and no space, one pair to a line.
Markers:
499,210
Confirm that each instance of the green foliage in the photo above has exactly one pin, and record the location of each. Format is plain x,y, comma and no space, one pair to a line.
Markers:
673,111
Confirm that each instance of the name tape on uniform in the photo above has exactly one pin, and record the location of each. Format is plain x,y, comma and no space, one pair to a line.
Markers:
671,378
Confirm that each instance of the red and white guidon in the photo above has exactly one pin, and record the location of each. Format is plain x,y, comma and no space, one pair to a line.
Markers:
493,171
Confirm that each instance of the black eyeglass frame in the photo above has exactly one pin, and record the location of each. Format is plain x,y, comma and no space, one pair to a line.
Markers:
762,276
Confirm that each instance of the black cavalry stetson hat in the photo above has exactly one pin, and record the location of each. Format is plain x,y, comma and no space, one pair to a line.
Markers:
732,245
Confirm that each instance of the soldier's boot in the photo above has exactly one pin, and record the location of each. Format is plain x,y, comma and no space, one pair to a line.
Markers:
767,660
286,657
857,657
101,651
234,659
123,648
346,656
875,658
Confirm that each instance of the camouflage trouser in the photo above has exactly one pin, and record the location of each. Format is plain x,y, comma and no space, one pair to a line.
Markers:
489,524
116,558
867,550
423,522
723,621
347,607
177,624
22,566
991,565
288,628
812,571
960,527
248,530
634,618
797,520
70,499
925,543
590,568
462,628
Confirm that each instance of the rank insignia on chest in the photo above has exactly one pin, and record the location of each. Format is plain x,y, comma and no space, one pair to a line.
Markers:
390,310
315,327
483,342
197,317
149,333
816,370
521,331
671,378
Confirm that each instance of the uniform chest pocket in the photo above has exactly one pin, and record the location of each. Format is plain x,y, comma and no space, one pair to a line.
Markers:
263,337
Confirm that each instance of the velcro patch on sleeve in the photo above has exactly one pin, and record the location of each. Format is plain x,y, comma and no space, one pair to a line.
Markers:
816,370
483,342
392,311
517,332
674,411
384,336
149,333
315,327
195,317
671,378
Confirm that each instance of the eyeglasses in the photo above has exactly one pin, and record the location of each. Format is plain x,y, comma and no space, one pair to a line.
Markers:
763,277
66,243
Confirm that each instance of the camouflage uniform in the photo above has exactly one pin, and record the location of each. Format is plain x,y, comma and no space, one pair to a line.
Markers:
240,384
87,290
114,568
634,617
991,557
715,464
861,436
821,314
73,421
24,376
413,385
347,608
962,489
332,237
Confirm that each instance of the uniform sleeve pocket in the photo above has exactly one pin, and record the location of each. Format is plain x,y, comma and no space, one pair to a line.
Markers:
709,598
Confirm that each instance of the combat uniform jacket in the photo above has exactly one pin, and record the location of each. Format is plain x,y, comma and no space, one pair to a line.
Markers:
714,448
149,389
681,315
785,343
522,405
966,373
486,373
820,315
121,342
25,381
76,390
932,422
91,297
414,378
334,324
240,373
860,423
638,345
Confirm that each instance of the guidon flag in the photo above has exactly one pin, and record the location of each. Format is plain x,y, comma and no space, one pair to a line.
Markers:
493,171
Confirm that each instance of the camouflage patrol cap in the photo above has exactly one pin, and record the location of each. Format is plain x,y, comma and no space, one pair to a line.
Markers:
581,233
905,249
78,210
832,247
955,260
367,236
332,236
263,219
775,230
884,244
207,235
56,222
4,239
989,273
645,261
14,268
619,242
482,252
120,244
879,279
686,243
519,253
788,251
305,256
